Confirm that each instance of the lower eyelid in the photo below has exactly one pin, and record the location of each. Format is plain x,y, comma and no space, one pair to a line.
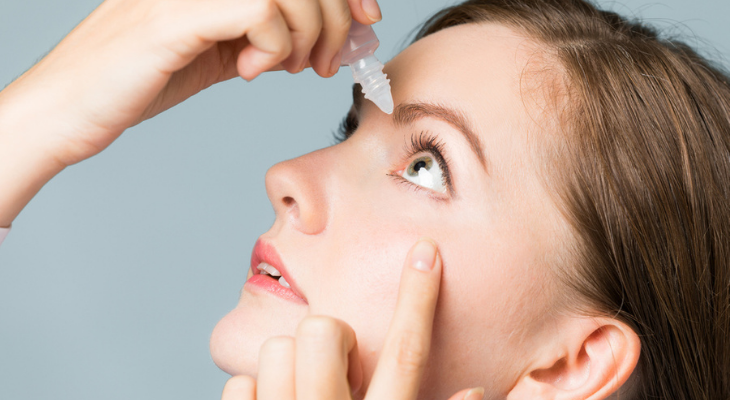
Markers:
436,196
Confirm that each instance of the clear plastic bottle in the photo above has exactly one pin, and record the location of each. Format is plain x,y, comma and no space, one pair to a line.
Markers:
358,52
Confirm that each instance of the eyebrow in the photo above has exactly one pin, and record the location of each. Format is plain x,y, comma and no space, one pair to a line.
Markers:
408,113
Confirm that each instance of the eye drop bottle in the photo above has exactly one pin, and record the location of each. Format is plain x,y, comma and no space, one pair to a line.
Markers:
358,52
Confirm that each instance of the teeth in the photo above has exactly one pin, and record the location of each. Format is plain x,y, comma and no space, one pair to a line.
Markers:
272,271
268,269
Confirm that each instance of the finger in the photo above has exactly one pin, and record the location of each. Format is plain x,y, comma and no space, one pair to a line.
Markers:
336,19
225,54
365,11
326,348
240,387
304,19
469,394
279,67
405,352
186,29
270,43
276,369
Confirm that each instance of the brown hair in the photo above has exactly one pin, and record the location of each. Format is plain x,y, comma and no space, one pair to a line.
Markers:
643,178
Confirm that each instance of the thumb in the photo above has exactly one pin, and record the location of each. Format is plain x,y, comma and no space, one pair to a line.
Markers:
469,394
365,11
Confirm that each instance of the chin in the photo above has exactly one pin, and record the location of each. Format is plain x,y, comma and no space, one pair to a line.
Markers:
237,338
233,347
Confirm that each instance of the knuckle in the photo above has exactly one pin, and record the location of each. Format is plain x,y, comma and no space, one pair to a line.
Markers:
411,353
265,10
160,15
279,50
160,7
318,327
278,345
339,22
284,49
313,30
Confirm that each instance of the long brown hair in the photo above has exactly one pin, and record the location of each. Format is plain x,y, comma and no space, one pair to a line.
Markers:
643,177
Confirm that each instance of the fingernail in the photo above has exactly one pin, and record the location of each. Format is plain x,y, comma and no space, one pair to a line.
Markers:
256,63
336,62
372,10
475,394
304,62
423,255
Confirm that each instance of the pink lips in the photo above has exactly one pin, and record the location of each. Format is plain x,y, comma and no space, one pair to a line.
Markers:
265,252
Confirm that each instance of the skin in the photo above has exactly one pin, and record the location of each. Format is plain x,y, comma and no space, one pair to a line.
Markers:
350,223
322,361
345,220
141,57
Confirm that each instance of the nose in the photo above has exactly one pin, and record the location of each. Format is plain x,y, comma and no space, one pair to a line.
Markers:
296,189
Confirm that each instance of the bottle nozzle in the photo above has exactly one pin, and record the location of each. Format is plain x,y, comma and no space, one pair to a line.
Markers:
367,70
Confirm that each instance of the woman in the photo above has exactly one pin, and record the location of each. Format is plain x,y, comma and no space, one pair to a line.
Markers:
572,168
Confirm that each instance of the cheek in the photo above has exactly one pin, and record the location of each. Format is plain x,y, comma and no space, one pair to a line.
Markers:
363,290
494,298
366,254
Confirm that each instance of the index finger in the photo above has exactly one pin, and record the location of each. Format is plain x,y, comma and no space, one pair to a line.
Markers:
405,352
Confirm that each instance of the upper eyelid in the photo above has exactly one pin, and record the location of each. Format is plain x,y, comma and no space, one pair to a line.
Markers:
415,145
348,126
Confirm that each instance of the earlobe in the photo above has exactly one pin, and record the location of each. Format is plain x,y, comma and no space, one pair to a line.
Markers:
588,359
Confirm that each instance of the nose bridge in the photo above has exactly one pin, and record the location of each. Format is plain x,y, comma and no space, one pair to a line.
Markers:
296,189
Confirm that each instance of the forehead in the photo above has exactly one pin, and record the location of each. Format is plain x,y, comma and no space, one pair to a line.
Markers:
481,70
485,71
475,67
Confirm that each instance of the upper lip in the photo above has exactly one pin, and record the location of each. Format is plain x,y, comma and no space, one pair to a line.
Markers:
266,252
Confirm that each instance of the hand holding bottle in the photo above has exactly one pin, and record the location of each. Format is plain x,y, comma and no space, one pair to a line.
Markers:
132,59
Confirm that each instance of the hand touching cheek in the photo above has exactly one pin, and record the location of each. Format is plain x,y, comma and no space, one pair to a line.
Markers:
322,361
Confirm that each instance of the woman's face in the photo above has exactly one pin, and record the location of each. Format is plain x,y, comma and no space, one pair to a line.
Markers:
347,215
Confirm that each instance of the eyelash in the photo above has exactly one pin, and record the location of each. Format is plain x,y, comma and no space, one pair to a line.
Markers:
424,142
347,127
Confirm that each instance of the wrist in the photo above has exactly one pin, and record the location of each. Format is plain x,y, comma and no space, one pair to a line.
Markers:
26,164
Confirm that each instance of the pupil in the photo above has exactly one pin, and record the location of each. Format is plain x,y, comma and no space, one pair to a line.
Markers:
419,165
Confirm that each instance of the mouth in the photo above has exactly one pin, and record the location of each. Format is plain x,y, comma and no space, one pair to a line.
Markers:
270,274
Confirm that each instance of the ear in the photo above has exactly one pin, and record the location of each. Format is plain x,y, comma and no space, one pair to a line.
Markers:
586,359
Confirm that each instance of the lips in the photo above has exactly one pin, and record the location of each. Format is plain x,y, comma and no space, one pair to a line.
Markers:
264,252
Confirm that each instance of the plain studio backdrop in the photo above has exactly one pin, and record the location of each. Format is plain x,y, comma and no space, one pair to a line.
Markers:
114,276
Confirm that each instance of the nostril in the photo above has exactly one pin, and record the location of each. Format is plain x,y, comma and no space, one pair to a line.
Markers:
298,198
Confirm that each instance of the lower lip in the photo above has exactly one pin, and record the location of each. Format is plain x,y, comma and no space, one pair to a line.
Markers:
271,285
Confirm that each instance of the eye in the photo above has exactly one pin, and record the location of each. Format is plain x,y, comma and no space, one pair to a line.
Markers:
425,171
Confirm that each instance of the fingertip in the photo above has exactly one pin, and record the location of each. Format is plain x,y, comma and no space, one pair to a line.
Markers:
252,62
423,255
354,372
362,15
372,10
336,63
239,387
476,393
320,66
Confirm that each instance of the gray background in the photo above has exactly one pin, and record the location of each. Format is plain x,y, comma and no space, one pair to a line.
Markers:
115,274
